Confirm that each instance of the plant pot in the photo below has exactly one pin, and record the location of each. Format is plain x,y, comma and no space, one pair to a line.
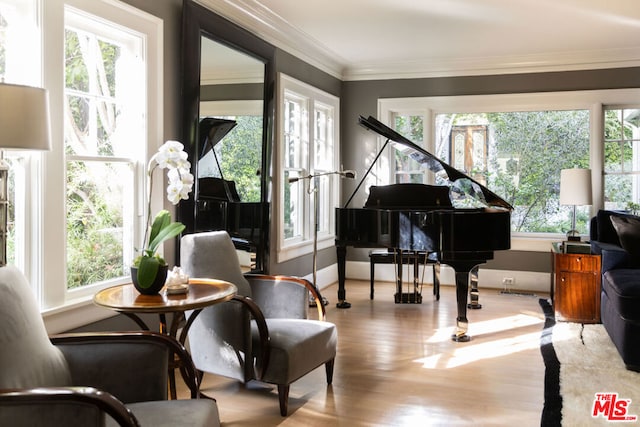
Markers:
157,284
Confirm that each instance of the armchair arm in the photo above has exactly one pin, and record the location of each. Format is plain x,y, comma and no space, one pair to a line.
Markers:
257,281
113,352
263,331
82,396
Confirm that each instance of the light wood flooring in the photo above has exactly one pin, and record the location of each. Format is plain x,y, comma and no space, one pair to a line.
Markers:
397,366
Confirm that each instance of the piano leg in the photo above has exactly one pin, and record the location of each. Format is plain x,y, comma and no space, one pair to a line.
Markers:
462,289
473,292
341,253
436,280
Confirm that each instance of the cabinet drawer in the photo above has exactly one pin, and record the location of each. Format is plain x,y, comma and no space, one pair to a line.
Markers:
578,262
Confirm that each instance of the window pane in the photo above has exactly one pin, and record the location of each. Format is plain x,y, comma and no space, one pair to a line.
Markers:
293,206
519,155
89,70
622,158
99,201
407,169
104,136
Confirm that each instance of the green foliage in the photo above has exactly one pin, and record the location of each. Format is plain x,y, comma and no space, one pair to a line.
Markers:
94,217
542,143
94,230
240,156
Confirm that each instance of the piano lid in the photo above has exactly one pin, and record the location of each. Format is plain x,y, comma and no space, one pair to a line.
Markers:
464,190
212,130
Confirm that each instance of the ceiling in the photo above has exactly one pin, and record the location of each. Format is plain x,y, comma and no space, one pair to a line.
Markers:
371,39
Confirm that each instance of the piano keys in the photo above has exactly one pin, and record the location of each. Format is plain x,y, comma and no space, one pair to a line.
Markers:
459,220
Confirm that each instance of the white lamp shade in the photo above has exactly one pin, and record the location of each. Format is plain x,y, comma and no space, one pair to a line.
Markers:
24,118
575,186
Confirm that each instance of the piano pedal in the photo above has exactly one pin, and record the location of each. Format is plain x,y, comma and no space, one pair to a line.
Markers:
408,298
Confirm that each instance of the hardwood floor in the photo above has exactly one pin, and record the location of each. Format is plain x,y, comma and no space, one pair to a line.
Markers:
397,366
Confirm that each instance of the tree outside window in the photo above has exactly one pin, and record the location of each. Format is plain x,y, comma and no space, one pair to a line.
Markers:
104,137
518,155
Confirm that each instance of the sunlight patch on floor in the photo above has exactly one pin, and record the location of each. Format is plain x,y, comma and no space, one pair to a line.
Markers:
488,327
483,348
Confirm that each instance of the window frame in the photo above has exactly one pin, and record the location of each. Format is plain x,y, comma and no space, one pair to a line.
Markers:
593,101
49,263
298,246
634,172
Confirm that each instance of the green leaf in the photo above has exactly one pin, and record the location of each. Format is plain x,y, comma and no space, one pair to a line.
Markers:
147,271
168,232
161,220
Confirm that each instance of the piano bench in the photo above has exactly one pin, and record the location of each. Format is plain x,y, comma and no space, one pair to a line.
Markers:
416,258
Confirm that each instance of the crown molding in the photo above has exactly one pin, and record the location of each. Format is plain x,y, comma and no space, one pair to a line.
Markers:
565,61
269,26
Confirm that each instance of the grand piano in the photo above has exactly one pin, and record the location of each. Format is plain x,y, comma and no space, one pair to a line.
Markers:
217,202
457,219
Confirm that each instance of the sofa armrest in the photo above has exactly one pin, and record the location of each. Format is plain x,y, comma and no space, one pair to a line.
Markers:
615,258
61,406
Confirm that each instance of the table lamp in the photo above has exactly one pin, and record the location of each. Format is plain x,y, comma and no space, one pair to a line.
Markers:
24,125
575,189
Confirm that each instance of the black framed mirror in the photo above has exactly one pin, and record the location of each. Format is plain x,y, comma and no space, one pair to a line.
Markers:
228,90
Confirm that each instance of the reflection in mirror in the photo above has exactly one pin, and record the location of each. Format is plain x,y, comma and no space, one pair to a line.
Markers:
228,77
230,144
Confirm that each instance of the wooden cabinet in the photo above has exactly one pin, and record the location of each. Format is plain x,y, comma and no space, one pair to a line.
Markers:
575,287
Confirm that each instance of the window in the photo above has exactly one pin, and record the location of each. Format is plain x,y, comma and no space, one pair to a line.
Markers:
103,141
622,158
308,153
102,66
19,33
516,145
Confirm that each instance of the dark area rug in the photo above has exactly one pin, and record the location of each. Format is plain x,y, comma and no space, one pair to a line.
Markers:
552,410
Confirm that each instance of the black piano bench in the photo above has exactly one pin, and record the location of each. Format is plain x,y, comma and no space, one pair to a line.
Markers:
415,258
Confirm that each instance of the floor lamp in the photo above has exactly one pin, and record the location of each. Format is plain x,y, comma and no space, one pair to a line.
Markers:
575,189
24,125
313,189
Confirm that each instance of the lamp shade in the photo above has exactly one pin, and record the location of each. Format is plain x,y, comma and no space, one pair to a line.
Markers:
24,118
575,187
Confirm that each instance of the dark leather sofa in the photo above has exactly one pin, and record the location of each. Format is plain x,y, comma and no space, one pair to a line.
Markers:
615,236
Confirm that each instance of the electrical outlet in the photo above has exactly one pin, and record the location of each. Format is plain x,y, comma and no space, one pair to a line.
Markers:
507,282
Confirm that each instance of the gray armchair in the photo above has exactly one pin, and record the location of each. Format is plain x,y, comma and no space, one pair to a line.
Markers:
263,333
87,379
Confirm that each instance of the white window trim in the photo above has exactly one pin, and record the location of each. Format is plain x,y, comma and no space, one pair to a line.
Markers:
231,108
593,101
48,272
296,248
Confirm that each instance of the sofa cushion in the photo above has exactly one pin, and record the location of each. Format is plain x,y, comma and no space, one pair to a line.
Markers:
605,230
623,290
296,344
628,231
27,357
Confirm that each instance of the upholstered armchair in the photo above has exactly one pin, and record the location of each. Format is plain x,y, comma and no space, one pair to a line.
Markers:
263,333
87,379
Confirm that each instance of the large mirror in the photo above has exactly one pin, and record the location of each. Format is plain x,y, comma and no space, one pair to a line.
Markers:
228,113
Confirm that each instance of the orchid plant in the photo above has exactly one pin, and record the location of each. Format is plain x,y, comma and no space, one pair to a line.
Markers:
170,156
